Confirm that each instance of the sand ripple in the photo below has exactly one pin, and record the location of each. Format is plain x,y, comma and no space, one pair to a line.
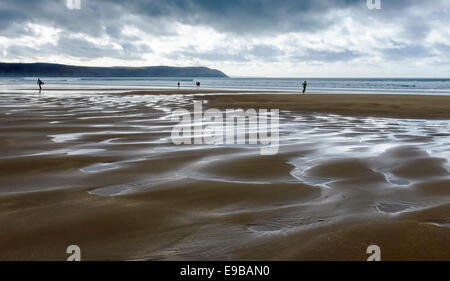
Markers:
103,167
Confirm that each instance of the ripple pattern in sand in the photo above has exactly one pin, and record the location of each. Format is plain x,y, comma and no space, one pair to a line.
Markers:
329,168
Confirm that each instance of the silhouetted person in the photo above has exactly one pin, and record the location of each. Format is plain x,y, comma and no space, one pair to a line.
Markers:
178,84
40,83
198,84
304,84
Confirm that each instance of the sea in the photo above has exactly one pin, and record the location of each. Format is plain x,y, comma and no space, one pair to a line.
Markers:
418,86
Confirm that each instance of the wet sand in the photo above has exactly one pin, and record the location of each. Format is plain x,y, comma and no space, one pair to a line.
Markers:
408,106
100,171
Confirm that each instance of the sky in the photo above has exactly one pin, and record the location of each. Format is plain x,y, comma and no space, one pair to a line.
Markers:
243,38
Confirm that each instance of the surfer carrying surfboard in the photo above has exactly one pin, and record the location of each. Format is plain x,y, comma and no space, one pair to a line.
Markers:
40,83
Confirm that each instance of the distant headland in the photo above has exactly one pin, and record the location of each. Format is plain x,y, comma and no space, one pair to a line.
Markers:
61,70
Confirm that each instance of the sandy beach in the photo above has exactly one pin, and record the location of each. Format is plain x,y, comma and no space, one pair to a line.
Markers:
100,171
407,106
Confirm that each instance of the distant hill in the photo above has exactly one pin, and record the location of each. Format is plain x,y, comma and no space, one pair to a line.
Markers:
61,70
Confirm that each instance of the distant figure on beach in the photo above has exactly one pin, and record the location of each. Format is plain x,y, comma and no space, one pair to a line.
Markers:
178,84
198,84
40,83
304,84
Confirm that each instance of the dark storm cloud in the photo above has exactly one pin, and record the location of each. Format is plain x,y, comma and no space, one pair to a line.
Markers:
251,17
405,52
82,48
79,48
9,17
412,17
255,52
244,17
21,51
218,54
444,48
312,55
263,50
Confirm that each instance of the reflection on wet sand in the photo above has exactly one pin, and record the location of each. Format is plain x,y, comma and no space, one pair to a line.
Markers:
100,171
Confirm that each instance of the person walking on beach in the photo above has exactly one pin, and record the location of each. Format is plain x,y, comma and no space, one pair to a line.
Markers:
198,84
304,84
178,84
40,83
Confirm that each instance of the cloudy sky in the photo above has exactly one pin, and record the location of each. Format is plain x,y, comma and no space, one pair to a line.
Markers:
267,38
